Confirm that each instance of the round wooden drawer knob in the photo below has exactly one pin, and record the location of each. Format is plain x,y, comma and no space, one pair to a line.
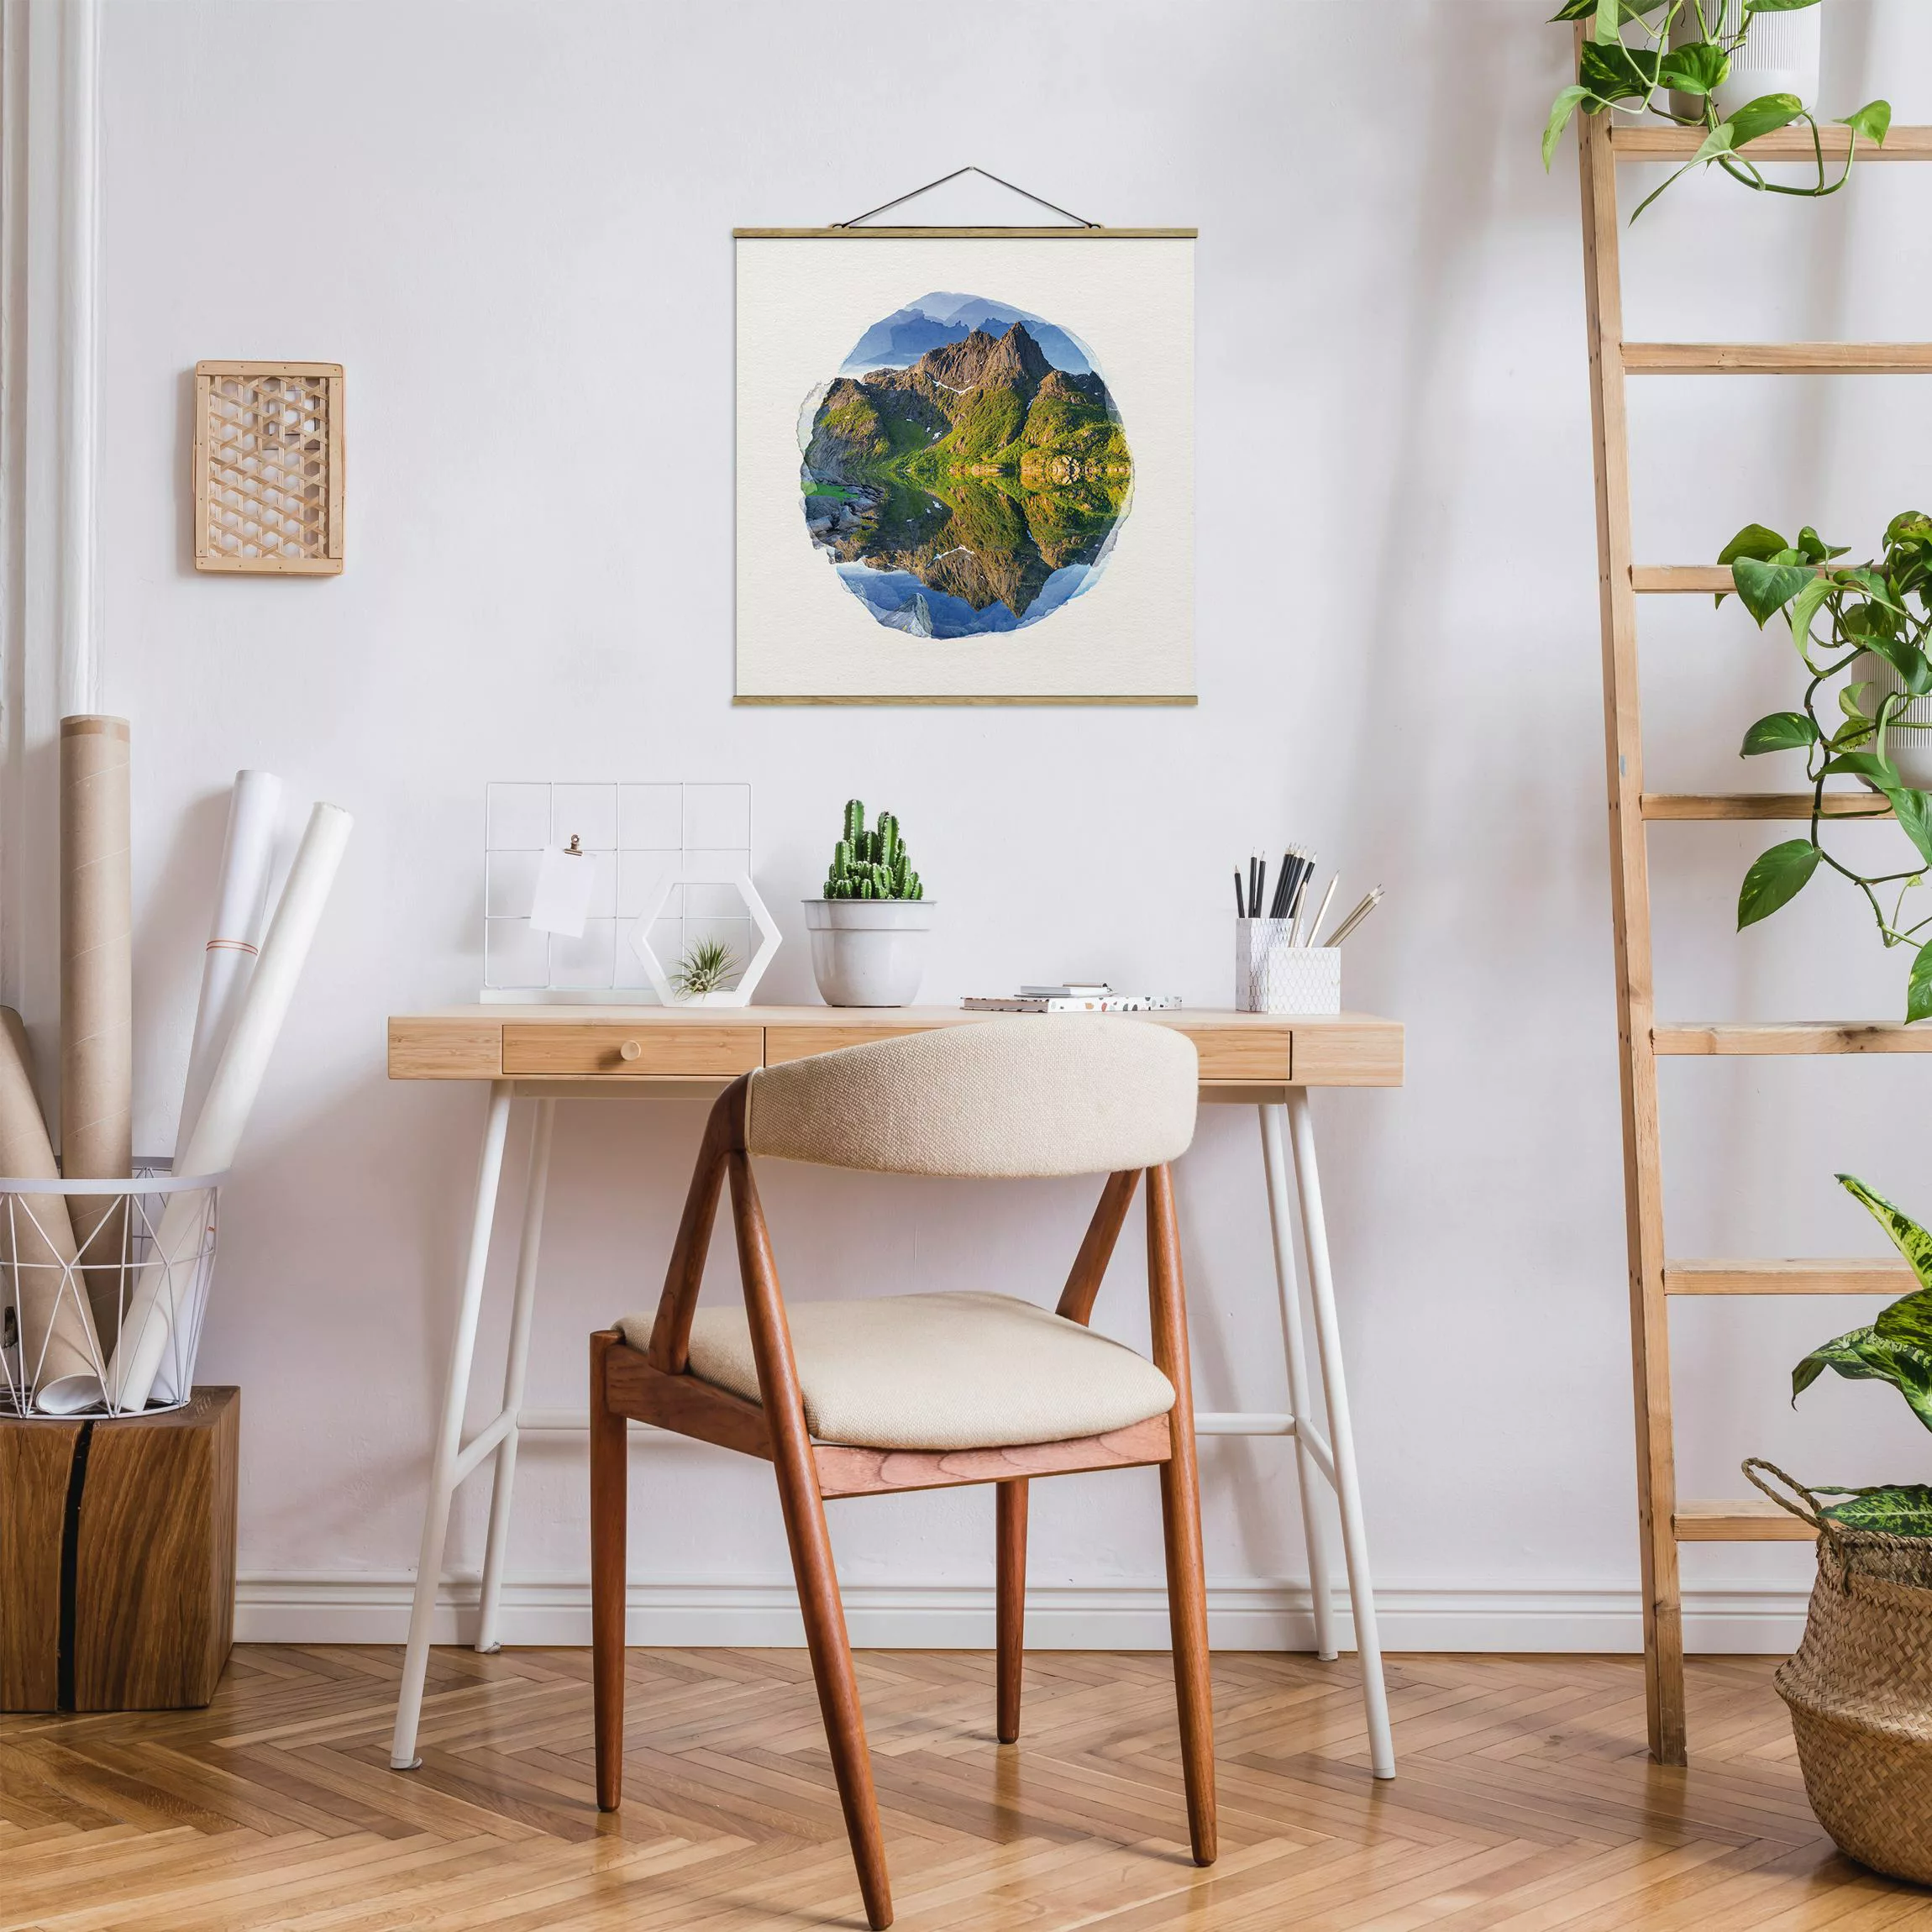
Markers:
631,1050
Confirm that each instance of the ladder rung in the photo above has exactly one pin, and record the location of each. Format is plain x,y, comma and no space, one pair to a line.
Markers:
1778,358
1778,1037
1669,580
1660,144
1720,805
1857,1274
1746,1521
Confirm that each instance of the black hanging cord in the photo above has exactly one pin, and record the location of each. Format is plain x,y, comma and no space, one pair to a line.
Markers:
1078,220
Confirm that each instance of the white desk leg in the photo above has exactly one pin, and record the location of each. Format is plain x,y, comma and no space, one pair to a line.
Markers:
449,1435
505,1476
1341,1434
1307,1476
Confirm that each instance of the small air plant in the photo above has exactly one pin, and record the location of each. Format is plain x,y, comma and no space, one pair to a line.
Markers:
703,969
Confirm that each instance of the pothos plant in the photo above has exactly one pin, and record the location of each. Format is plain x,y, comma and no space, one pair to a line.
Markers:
1836,614
1680,47
1896,1348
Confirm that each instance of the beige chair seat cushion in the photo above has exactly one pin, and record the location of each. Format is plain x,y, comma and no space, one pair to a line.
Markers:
936,1370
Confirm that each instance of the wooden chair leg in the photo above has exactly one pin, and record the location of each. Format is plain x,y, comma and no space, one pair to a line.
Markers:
1011,1538
610,1501
1181,1519
810,1543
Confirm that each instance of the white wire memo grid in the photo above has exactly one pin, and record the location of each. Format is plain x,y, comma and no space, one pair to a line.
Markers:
635,833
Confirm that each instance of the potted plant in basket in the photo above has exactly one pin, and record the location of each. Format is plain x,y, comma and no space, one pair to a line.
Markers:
1860,1687
869,930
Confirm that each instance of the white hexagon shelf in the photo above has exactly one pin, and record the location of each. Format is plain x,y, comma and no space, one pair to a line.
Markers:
690,873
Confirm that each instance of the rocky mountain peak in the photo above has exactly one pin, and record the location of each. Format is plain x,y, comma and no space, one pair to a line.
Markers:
1012,358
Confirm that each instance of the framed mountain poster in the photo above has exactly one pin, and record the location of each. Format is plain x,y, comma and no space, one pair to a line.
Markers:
965,465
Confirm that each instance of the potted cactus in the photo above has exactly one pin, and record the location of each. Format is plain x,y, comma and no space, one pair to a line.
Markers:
869,930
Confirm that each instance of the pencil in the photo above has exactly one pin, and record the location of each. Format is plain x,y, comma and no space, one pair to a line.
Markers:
1368,904
1321,910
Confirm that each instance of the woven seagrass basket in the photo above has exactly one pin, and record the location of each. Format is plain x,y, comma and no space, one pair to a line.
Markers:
1859,1688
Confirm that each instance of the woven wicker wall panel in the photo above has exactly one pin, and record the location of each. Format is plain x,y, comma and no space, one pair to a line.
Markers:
267,467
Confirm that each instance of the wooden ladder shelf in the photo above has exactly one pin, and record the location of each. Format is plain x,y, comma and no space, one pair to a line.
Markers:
1664,1522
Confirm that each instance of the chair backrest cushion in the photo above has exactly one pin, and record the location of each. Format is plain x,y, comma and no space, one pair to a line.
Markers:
1038,1094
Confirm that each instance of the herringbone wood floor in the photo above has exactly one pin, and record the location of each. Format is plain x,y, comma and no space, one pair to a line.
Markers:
1525,1801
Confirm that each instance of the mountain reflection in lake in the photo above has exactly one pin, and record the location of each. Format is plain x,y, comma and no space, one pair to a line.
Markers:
974,559
965,482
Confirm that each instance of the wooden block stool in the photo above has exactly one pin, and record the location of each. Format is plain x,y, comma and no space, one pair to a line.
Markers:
117,1557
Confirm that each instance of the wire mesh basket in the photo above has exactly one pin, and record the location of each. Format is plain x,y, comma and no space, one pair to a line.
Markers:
1272,976
103,1284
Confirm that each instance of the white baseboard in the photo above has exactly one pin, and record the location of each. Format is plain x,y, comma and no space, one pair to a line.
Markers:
369,1606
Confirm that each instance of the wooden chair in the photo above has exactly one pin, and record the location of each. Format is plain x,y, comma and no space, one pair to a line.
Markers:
865,1398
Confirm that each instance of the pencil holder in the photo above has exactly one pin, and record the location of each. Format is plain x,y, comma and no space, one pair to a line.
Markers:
1272,976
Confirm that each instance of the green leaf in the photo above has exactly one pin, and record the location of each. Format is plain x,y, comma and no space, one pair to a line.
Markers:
1696,69
1881,771
1866,1356
1813,548
1753,540
1804,607
1914,811
1561,114
1841,1354
1907,524
1776,878
1609,21
1908,660
1906,1365
1573,10
1918,987
1900,1509
1763,115
1613,73
1873,121
1782,731
1905,1234
1766,588
1908,1320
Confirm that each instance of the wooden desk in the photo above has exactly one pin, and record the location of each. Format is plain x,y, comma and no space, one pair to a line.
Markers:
549,1054
1240,1052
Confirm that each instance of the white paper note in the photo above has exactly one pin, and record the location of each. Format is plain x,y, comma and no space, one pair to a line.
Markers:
564,883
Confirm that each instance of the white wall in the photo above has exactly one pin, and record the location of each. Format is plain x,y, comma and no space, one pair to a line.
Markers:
510,222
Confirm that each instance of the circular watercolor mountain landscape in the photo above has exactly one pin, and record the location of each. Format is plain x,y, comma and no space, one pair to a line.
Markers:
966,472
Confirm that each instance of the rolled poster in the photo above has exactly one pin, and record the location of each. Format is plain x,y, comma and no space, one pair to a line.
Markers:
241,911
212,1146
96,996
59,1350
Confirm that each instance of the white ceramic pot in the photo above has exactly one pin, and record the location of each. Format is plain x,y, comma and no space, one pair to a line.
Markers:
869,951
1780,55
1909,737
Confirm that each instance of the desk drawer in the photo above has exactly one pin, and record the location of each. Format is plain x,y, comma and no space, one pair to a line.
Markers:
1259,1054
783,1044
681,1052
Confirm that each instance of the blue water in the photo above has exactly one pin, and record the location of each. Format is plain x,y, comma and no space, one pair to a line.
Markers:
899,601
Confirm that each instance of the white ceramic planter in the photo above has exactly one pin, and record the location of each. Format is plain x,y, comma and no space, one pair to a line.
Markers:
1780,55
1908,737
869,951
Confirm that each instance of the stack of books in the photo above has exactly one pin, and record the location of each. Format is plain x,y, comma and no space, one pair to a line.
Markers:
1093,998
